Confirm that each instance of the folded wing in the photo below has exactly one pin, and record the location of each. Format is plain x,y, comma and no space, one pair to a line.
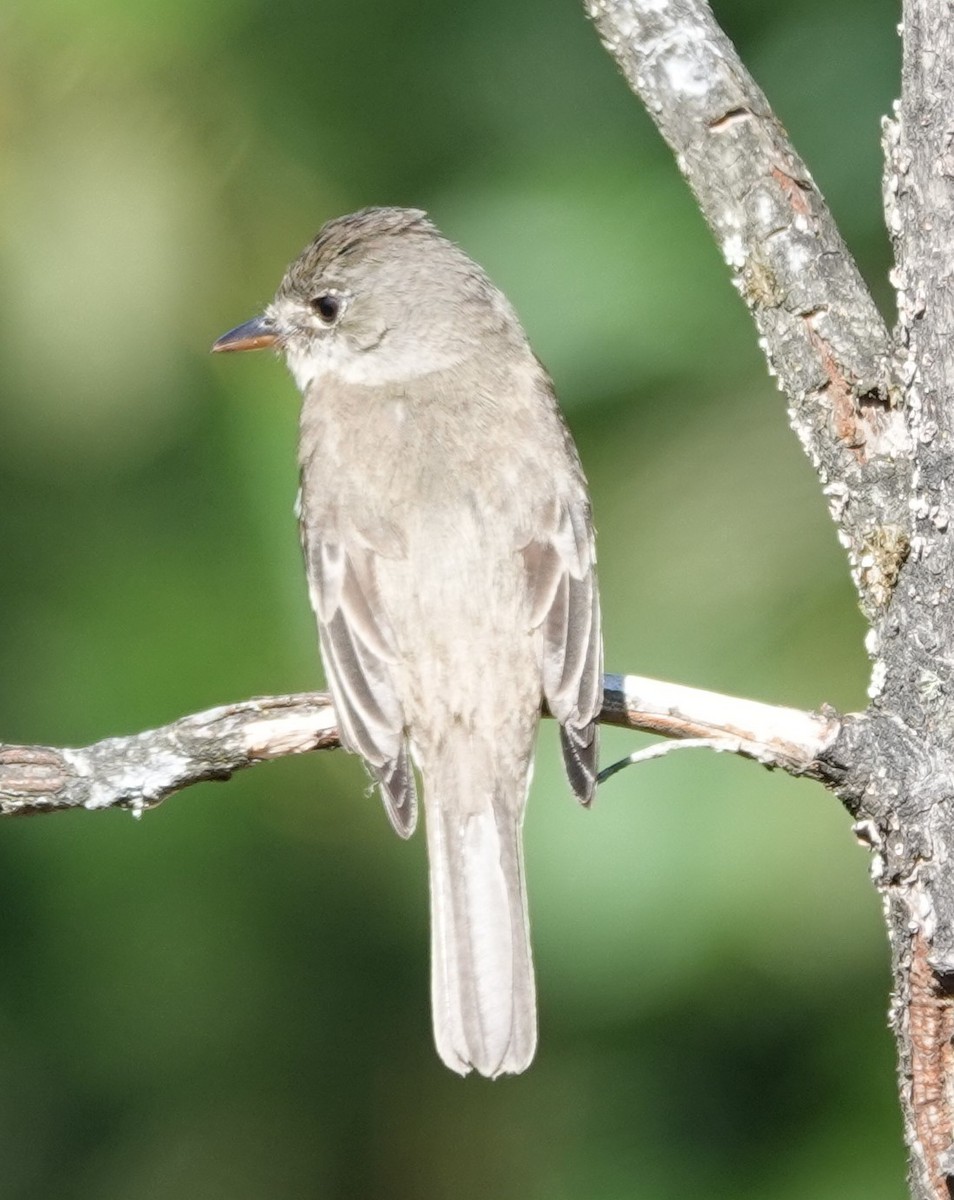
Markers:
561,568
358,652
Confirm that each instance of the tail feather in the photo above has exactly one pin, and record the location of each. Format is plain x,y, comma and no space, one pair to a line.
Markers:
581,748
482,987
398,792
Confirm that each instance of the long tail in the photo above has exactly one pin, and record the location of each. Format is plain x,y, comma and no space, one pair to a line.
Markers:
482,989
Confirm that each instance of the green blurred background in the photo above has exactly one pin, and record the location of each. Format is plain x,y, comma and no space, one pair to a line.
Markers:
229,999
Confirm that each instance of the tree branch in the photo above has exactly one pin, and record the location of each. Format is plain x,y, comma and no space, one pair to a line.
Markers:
787,738
141,770
821,332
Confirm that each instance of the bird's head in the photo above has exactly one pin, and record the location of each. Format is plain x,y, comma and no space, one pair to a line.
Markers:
378,297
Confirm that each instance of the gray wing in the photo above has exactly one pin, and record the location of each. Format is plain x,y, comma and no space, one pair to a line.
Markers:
561,567
358,652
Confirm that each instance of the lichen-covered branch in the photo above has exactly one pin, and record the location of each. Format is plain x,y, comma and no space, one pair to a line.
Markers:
142,769
821,332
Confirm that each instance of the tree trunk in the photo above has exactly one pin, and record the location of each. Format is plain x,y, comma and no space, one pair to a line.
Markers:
874,414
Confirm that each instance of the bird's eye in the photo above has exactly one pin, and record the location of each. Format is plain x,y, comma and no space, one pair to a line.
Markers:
327,306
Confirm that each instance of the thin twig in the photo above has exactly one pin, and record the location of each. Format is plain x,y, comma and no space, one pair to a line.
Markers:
661,749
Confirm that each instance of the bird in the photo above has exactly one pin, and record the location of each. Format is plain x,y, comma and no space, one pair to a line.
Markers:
450,556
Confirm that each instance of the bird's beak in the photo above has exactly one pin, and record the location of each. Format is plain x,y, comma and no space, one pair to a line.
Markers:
253,335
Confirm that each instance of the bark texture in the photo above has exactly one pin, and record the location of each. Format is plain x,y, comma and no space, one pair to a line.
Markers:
915,640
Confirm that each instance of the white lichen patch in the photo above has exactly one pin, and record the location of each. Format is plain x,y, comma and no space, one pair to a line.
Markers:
765,210
138,783
686,75
733,249
879,676
868,834
78,762
922,917
798,257
890,438
838,494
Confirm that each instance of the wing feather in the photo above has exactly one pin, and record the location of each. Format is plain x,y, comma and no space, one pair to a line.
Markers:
358,652
561,569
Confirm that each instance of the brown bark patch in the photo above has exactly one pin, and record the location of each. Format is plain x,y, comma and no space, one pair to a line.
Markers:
31,770
848,424
931,1025
795,191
